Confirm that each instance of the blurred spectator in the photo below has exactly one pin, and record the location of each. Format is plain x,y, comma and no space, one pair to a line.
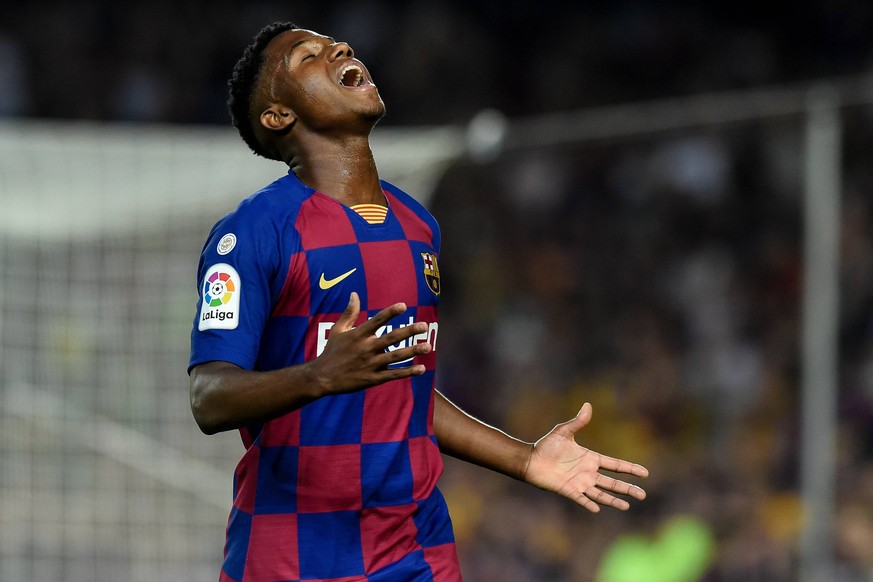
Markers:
660,282
435,62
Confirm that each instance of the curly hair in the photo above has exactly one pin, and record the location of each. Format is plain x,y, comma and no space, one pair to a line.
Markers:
242,83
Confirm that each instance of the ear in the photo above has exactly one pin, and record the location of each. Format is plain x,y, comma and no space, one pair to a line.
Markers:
277,117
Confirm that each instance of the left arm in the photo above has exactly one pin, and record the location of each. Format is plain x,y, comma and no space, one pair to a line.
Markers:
553,463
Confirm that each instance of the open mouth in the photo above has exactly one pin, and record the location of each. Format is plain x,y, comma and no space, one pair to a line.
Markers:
351,76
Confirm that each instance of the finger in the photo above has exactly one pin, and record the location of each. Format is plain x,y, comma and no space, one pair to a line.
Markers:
370,326
600,497
388,358
400,334
622,466
571,427
620,487
586,502
398,373
347,320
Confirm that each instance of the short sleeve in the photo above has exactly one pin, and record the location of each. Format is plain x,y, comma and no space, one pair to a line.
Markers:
235,284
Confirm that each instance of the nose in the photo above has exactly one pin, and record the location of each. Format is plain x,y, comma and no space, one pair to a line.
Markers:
339,50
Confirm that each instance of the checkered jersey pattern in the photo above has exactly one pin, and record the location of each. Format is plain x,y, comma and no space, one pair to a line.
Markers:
344,488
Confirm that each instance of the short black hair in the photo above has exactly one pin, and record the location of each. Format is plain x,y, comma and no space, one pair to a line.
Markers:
244,79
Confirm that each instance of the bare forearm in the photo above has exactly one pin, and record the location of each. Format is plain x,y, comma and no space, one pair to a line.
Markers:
225,397
464,437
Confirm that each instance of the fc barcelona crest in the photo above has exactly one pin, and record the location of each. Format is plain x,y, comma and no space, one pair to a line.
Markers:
431,272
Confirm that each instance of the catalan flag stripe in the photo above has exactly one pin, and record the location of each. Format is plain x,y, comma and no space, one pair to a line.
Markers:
372,213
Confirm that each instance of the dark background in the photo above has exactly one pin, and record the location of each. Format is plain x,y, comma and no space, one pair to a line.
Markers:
435,62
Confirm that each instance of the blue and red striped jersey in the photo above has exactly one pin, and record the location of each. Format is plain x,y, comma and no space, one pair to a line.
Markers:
343,489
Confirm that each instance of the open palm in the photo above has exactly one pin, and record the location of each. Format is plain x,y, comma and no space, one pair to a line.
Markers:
557,463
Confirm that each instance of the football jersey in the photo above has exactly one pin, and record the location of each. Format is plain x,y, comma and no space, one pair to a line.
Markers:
344,488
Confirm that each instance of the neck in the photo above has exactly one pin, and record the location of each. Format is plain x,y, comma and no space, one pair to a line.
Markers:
343,169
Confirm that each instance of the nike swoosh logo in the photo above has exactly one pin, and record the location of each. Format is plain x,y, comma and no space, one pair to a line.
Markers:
328,283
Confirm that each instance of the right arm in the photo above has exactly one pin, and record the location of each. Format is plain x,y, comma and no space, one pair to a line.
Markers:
226,397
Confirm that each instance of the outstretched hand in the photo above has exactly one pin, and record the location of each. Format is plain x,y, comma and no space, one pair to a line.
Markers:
557,463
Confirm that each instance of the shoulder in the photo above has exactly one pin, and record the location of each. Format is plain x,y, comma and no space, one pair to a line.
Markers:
266,213
410,210
408,201
261,222
272,204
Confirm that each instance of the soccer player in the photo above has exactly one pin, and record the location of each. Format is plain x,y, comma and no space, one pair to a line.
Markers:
316,337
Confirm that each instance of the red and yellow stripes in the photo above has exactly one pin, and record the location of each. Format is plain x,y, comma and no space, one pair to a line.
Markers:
372,213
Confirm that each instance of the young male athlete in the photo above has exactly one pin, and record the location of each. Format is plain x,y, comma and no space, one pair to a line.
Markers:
316,337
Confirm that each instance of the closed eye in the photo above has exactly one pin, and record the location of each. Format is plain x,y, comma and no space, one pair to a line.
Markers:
313,46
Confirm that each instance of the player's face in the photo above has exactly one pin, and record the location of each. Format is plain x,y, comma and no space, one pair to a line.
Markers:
320,80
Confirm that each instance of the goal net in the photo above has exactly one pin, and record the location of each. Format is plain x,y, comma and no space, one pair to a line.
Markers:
103,472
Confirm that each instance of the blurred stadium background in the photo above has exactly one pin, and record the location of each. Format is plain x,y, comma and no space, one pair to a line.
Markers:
667,212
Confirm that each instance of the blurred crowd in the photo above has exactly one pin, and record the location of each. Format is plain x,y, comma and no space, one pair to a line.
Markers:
435,61
659,281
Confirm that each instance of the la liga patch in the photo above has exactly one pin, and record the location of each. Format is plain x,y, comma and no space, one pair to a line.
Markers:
219,308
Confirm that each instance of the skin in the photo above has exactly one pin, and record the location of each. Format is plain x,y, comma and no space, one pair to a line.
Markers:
321,130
